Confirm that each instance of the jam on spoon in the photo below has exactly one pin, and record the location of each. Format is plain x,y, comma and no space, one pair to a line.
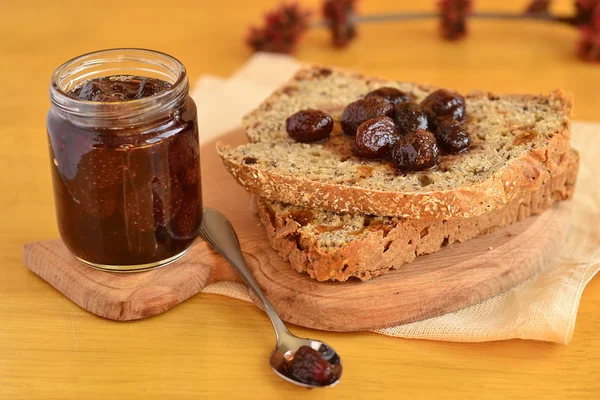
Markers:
309,366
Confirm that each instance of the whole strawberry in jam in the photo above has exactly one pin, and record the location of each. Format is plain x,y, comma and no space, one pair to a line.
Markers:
393,95
310,367
451,136
374,138
444,103
119,88
415,152
309,125
409,117
362,110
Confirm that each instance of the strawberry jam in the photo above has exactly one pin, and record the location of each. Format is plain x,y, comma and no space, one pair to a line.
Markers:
127,186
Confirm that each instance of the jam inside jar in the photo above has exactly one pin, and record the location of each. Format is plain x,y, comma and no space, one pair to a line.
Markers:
125,160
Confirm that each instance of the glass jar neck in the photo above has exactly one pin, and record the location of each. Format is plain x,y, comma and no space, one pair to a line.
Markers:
123,114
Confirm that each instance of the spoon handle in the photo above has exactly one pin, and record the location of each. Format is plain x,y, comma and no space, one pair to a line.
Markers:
219,233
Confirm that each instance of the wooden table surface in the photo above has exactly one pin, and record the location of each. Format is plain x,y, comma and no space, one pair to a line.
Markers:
214,346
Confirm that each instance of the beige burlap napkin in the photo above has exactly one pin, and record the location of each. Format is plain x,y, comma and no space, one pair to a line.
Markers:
542,308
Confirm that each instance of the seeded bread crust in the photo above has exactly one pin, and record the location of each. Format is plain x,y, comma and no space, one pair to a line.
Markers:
518,142
330,246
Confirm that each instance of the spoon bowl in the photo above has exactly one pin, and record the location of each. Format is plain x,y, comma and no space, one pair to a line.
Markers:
219,233
284,353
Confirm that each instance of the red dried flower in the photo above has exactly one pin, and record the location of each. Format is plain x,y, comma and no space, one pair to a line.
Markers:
538,7
339,16
589,44
584,12
281,31
454,13
589,41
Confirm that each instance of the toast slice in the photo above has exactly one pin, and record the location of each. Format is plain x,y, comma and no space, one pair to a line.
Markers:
332,246
518,142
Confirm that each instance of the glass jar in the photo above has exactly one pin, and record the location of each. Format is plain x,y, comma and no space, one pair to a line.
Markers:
126,172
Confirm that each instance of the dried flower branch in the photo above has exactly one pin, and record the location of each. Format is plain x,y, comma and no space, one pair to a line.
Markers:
584,12
281,31
589,41
453,25
339,17
284,26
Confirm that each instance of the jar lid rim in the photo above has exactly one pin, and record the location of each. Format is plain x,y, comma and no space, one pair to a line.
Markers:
117,50
80,109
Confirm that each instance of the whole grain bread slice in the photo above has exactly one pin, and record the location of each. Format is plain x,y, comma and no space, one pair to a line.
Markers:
518,141
333,246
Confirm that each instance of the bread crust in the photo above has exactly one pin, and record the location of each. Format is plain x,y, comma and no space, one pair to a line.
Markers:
522,175
378,251
519,175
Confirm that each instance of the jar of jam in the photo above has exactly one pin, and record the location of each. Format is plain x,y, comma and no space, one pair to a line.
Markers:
123,141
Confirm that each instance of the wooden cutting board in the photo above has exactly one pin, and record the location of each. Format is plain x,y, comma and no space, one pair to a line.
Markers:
454,278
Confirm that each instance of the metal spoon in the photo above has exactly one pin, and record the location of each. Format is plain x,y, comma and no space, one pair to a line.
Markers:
219,233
